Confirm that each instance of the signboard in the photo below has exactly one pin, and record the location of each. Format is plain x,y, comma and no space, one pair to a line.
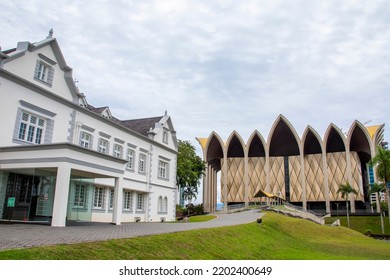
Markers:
11,202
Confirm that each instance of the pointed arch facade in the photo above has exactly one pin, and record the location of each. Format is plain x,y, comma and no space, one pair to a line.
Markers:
360,152
256,166
234,174
285,165
336,159
305,171
213,154
314,175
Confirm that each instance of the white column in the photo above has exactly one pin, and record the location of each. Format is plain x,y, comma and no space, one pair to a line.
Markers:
214,189
61,196
326,181
303,181
206,186
246,181
349,174
118,194
224,181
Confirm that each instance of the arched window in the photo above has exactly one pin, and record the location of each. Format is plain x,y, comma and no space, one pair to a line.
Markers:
165,204
160,204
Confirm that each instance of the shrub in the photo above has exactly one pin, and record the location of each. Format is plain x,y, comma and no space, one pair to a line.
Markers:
368,232
180,212
192,209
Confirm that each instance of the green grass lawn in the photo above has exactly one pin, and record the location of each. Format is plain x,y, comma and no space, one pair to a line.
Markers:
363,223
278,238
201,218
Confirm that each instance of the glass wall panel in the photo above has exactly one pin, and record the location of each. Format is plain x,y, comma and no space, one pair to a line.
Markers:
27,194
80,199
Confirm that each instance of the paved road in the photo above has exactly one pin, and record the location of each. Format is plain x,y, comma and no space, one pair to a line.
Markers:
30,235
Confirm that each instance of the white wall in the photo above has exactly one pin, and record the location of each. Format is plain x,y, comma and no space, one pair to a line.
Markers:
68,118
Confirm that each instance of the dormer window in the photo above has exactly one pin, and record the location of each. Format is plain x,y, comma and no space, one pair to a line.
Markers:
44,72
165,137
106,113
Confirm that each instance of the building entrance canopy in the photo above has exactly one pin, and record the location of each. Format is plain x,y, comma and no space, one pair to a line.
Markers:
261,193
40,180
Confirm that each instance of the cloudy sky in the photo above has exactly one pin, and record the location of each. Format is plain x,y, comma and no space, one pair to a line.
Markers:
221,65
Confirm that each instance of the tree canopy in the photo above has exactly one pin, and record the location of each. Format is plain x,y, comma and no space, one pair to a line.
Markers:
377,189
382,163
345,190
190,168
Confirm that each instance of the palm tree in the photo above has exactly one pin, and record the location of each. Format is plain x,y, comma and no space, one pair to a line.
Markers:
345,190
189,193
382,162
378,188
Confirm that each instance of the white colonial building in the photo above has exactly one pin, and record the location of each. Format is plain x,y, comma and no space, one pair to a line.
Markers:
62,159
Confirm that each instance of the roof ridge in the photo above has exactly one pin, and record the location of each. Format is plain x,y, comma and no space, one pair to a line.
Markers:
148,118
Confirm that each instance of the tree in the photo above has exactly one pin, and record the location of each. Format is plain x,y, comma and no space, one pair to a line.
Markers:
189,193
345,190
382,163
378,188
190,168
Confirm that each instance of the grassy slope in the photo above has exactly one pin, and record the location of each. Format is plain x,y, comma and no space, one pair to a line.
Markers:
278,237
363,223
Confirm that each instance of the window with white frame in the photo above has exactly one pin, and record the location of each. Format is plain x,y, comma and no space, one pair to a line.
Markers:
140,202
98,200
127,200
162,204
142,163
79,200
130,156
103,146
165,137
44,72
163,169
31,128
85,139
117,152
111,204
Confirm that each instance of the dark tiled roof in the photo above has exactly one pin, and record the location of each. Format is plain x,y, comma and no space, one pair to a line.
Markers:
96,110
9,51
141,126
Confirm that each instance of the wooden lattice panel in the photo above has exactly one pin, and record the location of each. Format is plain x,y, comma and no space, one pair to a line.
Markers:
314,176
356,170
337,173
223,198
276,176
235,180
257,177
295,169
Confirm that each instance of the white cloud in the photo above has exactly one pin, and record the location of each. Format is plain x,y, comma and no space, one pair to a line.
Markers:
221,65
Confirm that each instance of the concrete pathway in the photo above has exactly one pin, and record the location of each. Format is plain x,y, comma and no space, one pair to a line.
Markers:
31,235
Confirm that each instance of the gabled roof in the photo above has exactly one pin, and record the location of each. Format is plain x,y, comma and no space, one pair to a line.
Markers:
142,126
23,47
